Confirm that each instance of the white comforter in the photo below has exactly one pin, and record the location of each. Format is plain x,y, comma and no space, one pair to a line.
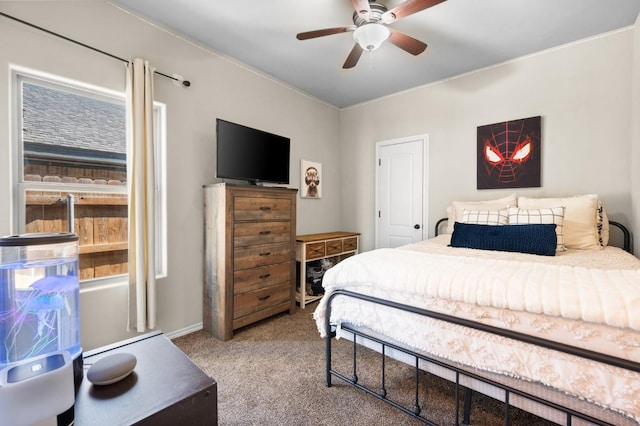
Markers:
606,296
573,296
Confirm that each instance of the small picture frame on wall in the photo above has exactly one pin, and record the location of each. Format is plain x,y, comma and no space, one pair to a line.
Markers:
310,172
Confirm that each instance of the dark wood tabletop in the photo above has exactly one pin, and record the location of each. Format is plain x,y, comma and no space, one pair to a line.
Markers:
165,388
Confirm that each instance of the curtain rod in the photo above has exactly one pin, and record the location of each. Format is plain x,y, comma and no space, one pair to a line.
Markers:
185,83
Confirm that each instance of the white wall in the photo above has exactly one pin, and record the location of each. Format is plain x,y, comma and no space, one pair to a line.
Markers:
635,137
582,91
220,88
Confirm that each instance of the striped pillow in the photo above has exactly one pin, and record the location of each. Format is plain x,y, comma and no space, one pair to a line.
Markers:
485,217
550,215
580,218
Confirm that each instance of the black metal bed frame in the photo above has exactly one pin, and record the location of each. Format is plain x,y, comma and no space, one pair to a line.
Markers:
415,411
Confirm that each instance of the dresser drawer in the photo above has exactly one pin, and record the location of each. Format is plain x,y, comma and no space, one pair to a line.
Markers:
251,279
333,247
261,255
251,233
260,208
261,299
314,250
350,244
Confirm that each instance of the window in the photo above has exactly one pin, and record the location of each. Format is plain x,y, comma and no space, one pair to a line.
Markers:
71,149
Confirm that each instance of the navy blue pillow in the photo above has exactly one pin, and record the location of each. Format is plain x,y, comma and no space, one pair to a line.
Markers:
531,238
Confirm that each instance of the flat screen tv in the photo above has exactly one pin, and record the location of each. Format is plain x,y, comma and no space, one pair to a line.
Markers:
249,154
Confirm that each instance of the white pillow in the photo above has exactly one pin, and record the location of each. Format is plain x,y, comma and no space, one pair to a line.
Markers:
580,218
555,215
485,217
454,212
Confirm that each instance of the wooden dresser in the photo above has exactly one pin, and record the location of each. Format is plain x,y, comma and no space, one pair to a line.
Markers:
250,268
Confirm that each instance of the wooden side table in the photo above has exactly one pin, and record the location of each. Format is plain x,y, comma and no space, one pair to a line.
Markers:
335,246
165,388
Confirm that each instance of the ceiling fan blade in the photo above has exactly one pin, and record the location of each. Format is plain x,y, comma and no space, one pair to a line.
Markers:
407,8
353,57
324,32
407,43
361,7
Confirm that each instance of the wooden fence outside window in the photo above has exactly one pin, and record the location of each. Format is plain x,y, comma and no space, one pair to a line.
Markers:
100,221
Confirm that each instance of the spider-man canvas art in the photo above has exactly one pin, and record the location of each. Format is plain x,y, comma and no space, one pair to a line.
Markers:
509,154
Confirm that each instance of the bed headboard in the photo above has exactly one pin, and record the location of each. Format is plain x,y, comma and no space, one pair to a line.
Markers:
626,244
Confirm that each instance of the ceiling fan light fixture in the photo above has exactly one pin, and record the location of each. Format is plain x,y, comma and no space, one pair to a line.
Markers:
371,36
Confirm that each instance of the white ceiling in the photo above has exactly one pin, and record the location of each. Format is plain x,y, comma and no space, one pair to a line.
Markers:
462,35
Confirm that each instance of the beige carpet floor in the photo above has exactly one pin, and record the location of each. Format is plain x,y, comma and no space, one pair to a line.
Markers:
273,373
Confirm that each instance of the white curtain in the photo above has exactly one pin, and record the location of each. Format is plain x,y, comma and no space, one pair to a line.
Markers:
141,182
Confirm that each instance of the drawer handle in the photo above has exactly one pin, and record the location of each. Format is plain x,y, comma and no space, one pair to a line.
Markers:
263,298
265,208
265,254
265,232
265,276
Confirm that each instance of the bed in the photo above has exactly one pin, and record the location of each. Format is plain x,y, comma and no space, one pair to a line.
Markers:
557,335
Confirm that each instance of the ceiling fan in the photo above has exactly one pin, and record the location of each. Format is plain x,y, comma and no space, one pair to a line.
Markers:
370,29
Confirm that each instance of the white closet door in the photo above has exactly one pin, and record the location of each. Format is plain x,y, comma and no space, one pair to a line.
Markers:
401,191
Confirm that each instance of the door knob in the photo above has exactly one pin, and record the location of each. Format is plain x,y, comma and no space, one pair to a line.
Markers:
416,226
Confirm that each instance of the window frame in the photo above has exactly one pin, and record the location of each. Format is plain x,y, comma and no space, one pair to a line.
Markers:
20,186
